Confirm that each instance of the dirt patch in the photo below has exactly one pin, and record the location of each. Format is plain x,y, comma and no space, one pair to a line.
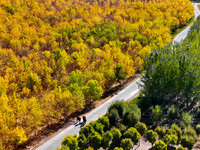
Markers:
144,144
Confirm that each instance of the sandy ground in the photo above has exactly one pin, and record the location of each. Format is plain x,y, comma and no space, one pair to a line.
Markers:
144,145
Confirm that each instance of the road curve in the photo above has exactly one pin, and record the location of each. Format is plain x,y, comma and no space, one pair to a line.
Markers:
125,94
182,35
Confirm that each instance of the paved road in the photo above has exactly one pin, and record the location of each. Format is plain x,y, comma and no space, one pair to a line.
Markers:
125,94
181,36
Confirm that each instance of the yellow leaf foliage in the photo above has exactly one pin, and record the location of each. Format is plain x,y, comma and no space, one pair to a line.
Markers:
43,41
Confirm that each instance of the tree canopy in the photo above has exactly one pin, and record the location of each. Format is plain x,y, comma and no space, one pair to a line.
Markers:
55,56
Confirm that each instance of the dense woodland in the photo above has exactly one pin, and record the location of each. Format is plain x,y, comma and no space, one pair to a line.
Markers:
171,74
56,56
169,104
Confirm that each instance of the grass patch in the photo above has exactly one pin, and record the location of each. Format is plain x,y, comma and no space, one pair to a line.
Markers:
137,100
174,33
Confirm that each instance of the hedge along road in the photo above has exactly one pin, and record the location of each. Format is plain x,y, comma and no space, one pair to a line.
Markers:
126,94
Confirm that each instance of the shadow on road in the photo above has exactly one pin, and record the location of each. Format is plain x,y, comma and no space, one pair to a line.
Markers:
79,123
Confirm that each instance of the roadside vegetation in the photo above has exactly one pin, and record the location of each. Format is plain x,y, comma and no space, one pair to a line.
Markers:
121,129
57,57
167,112
176,31
171,74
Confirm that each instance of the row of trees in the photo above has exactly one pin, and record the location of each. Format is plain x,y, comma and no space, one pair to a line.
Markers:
58,56
120,127
171,75
113,131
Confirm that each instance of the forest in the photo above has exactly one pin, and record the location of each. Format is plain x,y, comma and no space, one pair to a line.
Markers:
167,111
58,56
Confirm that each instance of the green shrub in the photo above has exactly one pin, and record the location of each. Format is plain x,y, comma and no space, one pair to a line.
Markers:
116,134
186,119
120,106
157,113
95,140
133,134
171,132
173,112
190,132
86,130
126,144
117,148
105,121
151,136
170,139
180,148
160,145
90,148
141,128
71,142
106,138
160,131
187,142
198,128
122,128
113,116
132,116
97,126
82,141
177,129
59,148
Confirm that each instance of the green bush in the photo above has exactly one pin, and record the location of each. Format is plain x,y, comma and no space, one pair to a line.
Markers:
82,141
133,134
113,116
160,131
180,148
141,128
117,148
86,130
97,126
173,112
157,113
122,128
59,148
190,132
198,128
105,121
116,134
187,141
126,144
171,132
120,106
160,145
71,142
90,148
106,138
177,129
132,116
151,136
170,139
186,119
95,140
